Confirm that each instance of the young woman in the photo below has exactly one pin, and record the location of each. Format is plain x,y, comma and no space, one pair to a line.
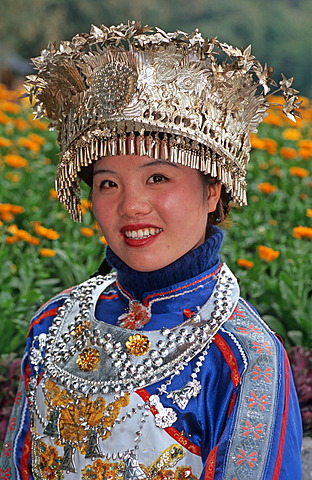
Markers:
158,370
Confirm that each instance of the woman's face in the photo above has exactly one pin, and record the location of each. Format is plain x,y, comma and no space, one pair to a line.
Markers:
151,212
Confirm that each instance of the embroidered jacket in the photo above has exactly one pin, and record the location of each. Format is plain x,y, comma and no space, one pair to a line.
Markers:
227,410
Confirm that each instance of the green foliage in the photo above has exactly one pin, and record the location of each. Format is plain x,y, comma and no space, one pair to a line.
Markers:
280,288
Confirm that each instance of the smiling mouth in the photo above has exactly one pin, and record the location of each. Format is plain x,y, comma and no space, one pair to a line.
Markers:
142,233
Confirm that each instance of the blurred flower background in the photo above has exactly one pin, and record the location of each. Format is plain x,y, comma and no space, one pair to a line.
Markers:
267,244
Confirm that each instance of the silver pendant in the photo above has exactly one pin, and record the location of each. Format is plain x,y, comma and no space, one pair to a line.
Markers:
68,463
183,396
166,416
133,471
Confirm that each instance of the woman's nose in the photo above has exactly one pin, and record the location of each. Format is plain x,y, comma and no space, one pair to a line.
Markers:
134,201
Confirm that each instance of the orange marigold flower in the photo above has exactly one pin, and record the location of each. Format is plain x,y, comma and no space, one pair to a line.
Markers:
305,153
86,232
272,221
10,107
270,145
4,118
257,142
299,172
242,262
267,188
277,171
47,252
45,232
85,205
13,177
53,194
21,124
20,234
38,124
273,119
27,143
288,153
291,134
36,138
103,240
15,161
309,212
267,253
305,143
5,142
7,216
299,232
11,240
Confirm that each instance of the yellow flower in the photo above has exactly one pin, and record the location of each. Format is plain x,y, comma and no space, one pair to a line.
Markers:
242,262
288,153
47,252
291,134
299,172
309,212
103,240
15,161
267,188
86,232
267,253
299,232
45,232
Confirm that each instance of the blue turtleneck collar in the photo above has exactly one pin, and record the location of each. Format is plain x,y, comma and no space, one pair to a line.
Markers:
189,265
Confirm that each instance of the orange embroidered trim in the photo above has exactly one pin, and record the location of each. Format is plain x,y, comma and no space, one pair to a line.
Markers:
211,464
229,358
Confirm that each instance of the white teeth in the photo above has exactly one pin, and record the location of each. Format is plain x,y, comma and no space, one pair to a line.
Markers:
142,233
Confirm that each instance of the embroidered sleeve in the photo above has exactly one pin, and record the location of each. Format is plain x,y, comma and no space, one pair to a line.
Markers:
262,438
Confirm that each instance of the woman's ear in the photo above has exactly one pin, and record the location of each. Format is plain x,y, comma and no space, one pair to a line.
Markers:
213,196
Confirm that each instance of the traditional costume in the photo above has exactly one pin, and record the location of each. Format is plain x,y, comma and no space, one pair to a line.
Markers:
166,374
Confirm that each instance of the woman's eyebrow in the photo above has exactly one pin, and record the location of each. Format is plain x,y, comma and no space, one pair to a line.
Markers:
103,170
155,163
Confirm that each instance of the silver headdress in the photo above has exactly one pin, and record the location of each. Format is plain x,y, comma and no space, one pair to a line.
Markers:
103,89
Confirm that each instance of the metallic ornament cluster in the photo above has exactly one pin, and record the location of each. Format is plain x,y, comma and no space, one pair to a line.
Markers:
120,81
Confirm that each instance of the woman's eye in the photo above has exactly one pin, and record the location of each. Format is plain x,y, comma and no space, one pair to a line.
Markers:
107,184
157,178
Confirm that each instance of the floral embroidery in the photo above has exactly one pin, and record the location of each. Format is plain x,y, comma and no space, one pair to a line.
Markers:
47,461
17,398
12,424
255,401
250,458
77,417
262,347
248,330
7,450
5,474
256,430
265,374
